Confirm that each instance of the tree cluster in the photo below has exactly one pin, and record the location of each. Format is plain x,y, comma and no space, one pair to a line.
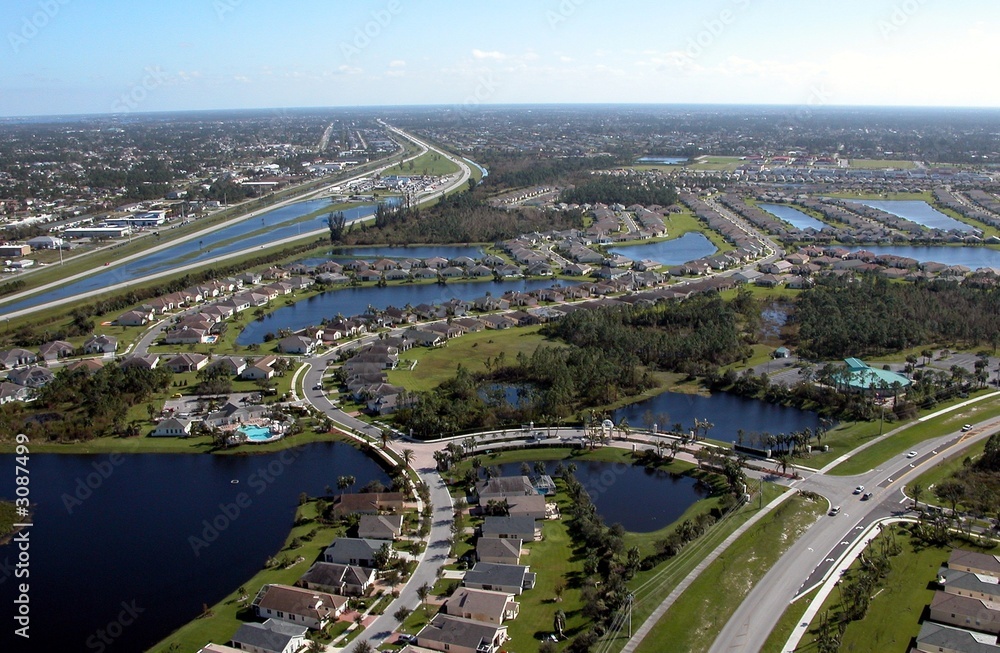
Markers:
838,318
79,406
691,336
459,218
608,189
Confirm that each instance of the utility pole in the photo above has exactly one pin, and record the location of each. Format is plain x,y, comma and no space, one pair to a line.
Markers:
630,599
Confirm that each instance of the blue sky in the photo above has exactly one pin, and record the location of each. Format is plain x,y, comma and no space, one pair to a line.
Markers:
100,56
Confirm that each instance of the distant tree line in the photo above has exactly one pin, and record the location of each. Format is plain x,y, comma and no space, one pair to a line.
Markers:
608,189
517,171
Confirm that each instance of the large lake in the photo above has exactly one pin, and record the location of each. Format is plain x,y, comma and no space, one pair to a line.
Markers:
689,247
129,541
794,217
356,300
919,212
615,489
241,237
972,257
728,412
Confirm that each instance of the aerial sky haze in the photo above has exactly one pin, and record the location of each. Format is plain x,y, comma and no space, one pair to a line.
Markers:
119,56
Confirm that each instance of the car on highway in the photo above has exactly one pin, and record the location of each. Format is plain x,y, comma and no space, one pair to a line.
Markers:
867,495
834,510
911,454
859,489
966,428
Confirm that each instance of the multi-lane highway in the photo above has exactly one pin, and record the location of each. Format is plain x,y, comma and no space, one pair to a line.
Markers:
809,561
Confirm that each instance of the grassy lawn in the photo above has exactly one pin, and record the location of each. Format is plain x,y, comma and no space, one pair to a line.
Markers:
879,453
471,350
230,612
429,163
943,470
679,224
693,622
554,559
894,614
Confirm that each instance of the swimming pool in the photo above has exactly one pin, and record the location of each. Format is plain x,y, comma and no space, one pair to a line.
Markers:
257,433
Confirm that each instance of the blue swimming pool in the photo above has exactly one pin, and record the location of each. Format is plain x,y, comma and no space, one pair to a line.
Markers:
257,433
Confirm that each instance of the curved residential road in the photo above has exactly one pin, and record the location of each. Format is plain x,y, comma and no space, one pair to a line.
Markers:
810,560
436,553
424,147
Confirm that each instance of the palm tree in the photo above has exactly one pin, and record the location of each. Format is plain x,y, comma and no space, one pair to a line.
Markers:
407,456
344,482
623,426
385,436
916,491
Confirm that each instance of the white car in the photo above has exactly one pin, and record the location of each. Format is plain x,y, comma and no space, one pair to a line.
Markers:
859,489
967,427
911,454
834,510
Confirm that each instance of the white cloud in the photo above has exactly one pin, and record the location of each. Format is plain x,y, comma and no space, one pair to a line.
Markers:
492,54
397,63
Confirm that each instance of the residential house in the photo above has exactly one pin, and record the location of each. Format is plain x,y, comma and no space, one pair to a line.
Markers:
532,505
53,351
368,503
259,369
145,361
346,580
186,335
233,365
498,322
299,606
160,305
12,392
501,550
965,612
457,635
964,583
172,427
297,345
90,365
512,579
481,605
14,357
974,562
938,638
187,363
520,527
135,317
100,344
234,414
380,527
272,636
31,377
503,487
217,648
353,551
